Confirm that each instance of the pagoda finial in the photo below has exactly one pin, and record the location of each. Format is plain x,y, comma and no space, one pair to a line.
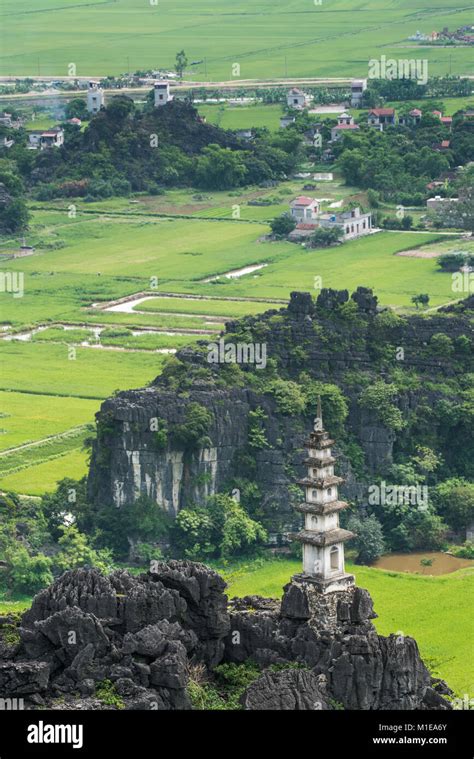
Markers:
318,422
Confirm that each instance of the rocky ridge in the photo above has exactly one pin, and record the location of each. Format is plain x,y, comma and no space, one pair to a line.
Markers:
145,634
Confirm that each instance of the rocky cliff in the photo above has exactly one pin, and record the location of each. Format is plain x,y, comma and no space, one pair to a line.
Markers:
338,340
145,636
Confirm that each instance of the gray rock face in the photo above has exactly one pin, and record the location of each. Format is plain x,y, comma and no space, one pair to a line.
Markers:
289,690
126,461
66,649
137,632
333,635
22,678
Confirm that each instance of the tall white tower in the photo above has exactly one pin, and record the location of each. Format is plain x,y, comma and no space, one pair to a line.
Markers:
322,537
162,93
95,97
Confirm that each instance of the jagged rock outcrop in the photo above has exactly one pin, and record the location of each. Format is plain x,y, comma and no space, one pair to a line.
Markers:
138,632
333,635
339,338
288,690
82,631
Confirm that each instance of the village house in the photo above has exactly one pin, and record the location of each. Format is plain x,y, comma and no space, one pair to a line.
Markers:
345,123
307,213
162,93
358,88
95,97
305,209
53,138
296,98
440,146
410,119
352,223
381,117
345,118
338,131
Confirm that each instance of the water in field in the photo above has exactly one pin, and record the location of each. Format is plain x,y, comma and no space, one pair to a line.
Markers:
441,563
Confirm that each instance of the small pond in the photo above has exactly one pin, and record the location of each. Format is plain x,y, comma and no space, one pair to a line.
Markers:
440,563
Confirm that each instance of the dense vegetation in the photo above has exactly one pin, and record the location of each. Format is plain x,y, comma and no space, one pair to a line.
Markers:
126,150
400,161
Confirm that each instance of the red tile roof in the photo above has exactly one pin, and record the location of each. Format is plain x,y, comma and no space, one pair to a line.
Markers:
383,111
415,112
346,126
446,119
304,201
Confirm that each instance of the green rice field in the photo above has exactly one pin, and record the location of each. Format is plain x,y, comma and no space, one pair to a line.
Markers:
283,38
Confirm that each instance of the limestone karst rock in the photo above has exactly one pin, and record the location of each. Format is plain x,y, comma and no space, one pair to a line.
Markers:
145,633
287,690
311,337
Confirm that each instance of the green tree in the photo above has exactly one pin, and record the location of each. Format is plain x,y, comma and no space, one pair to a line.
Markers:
220,529
14,214
324,237
289,397
421,299
75,551
379,399
220,168
455,501
181,63
76,109
193,432
25,573
281,226
369,541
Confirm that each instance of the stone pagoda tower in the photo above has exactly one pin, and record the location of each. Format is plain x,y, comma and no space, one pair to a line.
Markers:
322,538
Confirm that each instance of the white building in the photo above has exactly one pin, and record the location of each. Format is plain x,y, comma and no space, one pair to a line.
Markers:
322,537
308,216
95,97
305,210
345,118
353,223
162,93
52,138
358,88
296,98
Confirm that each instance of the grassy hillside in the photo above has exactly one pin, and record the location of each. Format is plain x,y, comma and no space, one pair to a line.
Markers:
436,611
267,39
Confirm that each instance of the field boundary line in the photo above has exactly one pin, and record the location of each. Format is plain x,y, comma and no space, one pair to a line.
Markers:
70,433
129,214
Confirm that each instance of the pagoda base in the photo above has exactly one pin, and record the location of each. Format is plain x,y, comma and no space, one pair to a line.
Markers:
327,585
